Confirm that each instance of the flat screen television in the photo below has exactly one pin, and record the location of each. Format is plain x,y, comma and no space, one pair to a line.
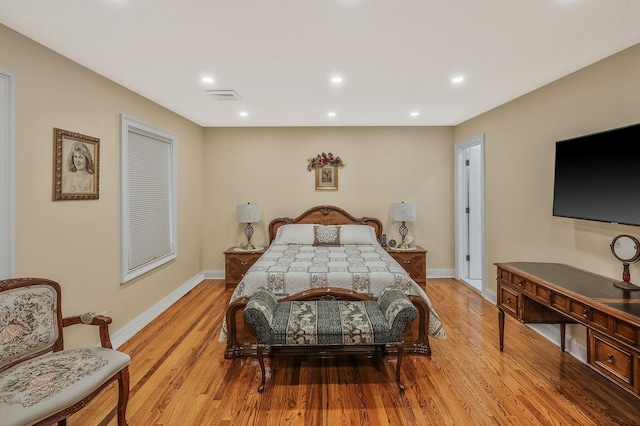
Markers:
597,177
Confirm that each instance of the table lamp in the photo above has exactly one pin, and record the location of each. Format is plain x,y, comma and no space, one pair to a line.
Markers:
403,212
248,213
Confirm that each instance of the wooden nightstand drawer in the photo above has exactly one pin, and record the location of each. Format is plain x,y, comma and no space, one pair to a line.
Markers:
237,263
613,359
413,261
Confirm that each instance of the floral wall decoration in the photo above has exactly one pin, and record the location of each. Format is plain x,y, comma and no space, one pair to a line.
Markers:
326,166
324,159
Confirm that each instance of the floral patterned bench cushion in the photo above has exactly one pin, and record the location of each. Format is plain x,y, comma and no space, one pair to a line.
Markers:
326,322
32,390
28,322
329,322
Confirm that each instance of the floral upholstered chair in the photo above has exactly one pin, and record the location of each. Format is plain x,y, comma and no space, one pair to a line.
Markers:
41,383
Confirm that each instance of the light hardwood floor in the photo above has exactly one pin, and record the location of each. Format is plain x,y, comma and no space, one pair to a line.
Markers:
180,377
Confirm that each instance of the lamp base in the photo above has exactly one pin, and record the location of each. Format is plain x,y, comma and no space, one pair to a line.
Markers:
626,285
248,232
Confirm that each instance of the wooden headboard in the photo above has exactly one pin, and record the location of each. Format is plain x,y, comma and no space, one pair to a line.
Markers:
326,215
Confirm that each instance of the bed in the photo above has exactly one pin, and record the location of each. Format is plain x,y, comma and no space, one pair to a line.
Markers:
326,247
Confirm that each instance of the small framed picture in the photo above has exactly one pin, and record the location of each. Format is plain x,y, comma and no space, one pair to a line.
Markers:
76,160
327,177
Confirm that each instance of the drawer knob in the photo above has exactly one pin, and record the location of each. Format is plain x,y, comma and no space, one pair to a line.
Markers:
407,262
610,360
520,282
244,263
508,300
585,313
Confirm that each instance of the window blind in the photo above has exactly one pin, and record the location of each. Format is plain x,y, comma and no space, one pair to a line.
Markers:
148,196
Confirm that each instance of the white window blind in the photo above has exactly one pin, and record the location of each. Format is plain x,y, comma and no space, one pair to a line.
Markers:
148,198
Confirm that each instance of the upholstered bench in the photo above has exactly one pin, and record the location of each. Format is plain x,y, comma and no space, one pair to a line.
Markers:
365,324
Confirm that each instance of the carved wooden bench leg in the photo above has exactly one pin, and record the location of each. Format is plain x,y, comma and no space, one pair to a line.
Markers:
260,350
398,365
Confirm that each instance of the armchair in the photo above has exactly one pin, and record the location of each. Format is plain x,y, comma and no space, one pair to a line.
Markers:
42,383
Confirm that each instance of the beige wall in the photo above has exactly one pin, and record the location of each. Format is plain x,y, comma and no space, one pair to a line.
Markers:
520,141
77,243
384,165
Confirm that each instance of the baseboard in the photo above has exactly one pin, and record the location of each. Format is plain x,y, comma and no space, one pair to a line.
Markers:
440,273
552,334
210,274
128,331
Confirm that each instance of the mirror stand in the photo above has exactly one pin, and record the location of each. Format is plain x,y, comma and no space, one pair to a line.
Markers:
626,249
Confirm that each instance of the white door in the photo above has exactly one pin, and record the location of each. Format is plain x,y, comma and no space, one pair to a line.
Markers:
474,154
470,212
6,175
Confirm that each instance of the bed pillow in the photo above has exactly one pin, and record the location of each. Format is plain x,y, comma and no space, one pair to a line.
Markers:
295,234
358,234
303,233
326,235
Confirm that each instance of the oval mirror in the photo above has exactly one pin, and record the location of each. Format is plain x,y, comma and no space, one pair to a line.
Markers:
626,248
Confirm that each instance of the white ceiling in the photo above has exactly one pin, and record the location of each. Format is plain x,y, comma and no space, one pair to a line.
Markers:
396,56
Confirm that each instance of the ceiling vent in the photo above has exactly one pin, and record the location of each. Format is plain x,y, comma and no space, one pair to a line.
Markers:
224,95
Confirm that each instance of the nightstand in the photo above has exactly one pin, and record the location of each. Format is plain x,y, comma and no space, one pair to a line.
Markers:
413,261
237,263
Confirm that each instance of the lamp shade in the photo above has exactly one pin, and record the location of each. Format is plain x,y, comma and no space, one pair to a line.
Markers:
248,213
403,212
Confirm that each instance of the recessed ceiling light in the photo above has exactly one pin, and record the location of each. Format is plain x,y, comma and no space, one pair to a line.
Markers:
243,113
415,114
458,79
331,114
207,79
336,80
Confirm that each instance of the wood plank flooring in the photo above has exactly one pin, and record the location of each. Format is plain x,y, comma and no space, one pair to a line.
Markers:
180,377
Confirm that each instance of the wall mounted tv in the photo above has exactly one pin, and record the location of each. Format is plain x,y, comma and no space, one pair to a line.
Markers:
597,177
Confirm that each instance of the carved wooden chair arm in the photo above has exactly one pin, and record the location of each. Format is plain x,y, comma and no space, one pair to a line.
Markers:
101,321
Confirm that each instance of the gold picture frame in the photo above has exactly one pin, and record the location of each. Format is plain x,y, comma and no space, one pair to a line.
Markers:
76,160
327,178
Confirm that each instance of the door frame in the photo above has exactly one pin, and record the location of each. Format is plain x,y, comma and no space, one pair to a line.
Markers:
461,219
7,175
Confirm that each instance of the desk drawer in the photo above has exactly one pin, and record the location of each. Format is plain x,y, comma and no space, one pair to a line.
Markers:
589,315
522,284
509,300
613,359
579,311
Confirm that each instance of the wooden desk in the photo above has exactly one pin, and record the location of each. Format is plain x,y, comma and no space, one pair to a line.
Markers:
554,293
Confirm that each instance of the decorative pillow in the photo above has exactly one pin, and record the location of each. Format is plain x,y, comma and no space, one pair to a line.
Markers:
326,235
358,234
295,234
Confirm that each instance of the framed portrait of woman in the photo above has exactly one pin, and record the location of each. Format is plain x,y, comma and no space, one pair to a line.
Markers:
76,162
